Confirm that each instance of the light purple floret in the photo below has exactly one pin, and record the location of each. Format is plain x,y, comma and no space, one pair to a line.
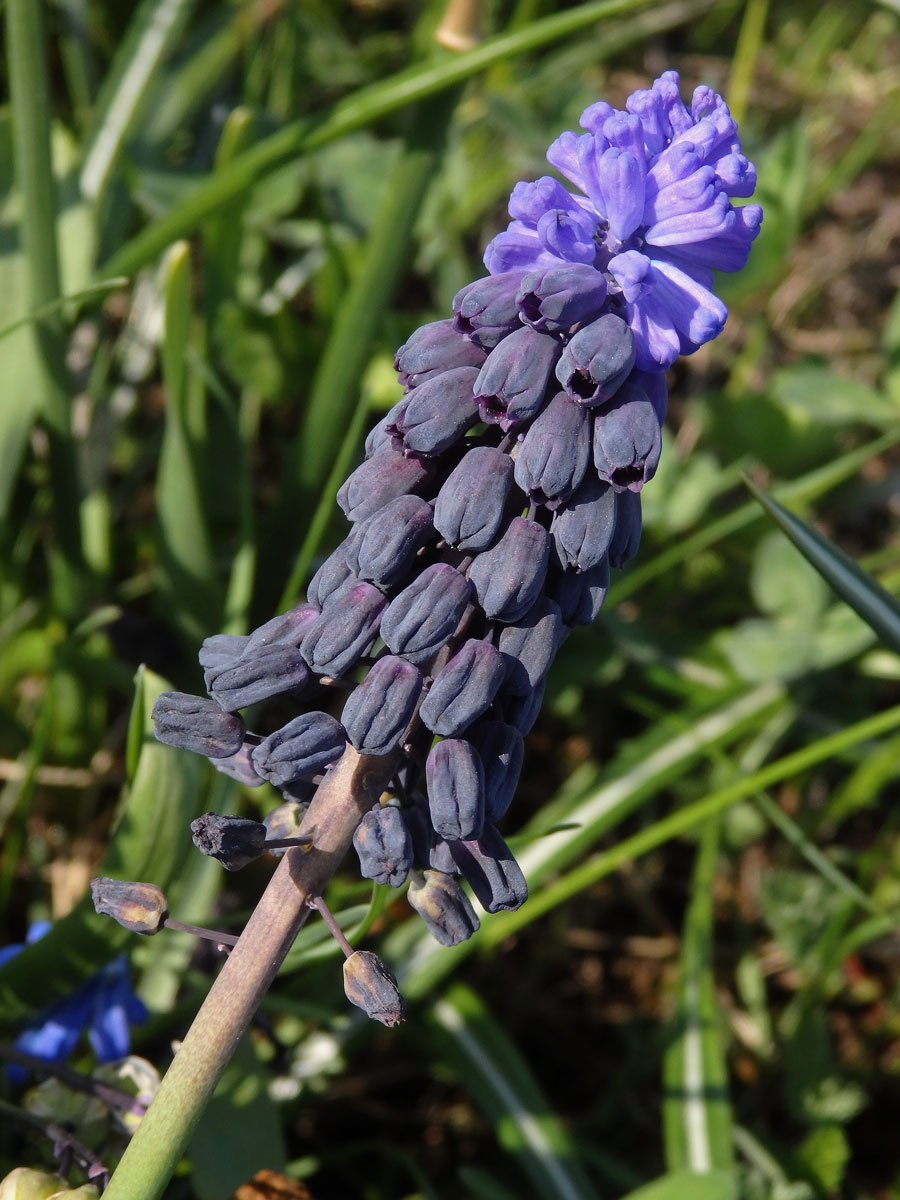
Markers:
653,214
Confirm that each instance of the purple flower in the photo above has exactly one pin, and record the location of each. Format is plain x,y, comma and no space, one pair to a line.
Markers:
105,1006
653,214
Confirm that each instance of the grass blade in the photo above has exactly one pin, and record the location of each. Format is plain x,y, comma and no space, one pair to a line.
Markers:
696,1109
877,607
500,1082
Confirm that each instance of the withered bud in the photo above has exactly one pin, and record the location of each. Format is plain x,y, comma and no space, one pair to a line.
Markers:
444,907
234,841
140,907
370,986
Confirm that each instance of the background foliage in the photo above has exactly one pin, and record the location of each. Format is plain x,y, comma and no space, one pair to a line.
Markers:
257,201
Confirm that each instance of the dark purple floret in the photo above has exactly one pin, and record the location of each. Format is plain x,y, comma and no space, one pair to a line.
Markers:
501,749
219,652
490,869
470,505
508,578
425,614
440,411
529,645
455,779
444,907
486,310
239,766
433,349
381,479
555,454
387,542
627,535
580,595
286,629
379,709
440,858
259,676
596,360
627,440
345,630
512,385
522,711
308,744
557,297
194,723
582,530
464,689
384,846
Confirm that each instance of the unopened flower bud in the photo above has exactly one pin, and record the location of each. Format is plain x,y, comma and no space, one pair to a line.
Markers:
486,310
233,841
490,869
455,781
440,411
370,986
384,846
432,350
596,360
508,578
464,689
558,297
444,906
425,614
380,479
470,505
379,709
192,723
555,453
139,907
309,743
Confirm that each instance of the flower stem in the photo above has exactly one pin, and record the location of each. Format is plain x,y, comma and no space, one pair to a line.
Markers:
348,791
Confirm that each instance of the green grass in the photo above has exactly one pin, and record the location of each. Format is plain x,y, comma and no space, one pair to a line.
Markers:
219,221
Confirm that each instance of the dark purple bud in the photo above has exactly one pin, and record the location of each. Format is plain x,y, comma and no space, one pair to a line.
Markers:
239,766
522,711
596,360
193,723
286,629
284,822
627,536
370,986
137,907
381,479
387,542
433,349
556,298
486,310
491,871
384,846
469,508
583,529
259,676
455,780
627,440
335,575
308,744
580,595
379,709
512,385
501,749
554,456
444,907
464,689
232,841
385,432
654,386
418,823
440,411
219,652
528,646
345,630
508,578
440,858
425,615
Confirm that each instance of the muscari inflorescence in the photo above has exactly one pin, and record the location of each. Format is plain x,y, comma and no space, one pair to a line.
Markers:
492,502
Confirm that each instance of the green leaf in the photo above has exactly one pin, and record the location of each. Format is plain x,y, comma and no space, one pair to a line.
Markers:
148,844
825,1154
696,1108
240,1131
877,607
818,395
499,1081
683,1185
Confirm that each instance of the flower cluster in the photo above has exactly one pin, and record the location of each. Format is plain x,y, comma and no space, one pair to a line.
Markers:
494,498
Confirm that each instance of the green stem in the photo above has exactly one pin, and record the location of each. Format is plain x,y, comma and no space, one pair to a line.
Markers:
31,107
347,792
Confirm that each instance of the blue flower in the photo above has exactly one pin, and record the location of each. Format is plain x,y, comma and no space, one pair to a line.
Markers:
653,215
105,1006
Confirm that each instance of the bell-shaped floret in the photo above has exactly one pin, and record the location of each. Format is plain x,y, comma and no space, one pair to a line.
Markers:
528,646
508,578
379,709
455,780
582,530
512,384
596,360
444,907
554,456
440,411
384,846
381,479
387,542
433,349
194,723
627,440
470,505
463,689
339,638
309,743
424,616
487,863
486,310
555,298
501,749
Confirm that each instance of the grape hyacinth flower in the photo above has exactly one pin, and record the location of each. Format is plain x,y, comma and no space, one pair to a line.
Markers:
493,500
